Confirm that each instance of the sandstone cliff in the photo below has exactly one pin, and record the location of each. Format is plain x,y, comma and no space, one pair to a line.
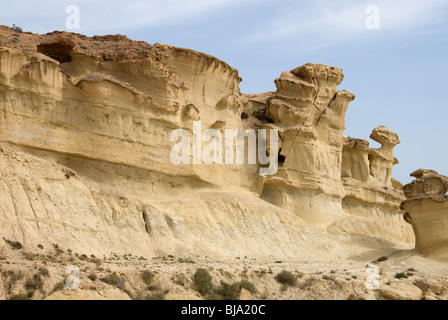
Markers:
85,128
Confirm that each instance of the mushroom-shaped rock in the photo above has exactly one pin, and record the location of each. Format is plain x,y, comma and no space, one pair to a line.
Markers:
427,183
427,211
385,136
382,160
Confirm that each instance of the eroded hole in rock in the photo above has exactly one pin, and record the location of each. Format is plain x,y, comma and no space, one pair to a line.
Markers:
244,116
281,159
59,51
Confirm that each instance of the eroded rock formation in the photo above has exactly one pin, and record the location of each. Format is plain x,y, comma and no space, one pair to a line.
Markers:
426,210
370,191
96,116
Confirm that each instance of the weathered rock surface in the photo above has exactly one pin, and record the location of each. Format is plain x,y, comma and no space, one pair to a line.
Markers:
427,211
401,291
245,295
2,290
110,294
431,285
85,127
172,296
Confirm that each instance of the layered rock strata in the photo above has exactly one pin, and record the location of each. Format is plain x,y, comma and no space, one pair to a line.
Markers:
97,114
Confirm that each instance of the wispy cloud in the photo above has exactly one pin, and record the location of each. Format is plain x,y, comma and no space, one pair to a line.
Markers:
111,15
139,14
324,22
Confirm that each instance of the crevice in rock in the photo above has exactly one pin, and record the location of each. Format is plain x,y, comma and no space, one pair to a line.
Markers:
328,106
281,159
146,222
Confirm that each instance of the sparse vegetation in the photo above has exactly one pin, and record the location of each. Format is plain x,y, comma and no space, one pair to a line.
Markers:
28,256
20,297
157,295
225,292
58,249
97,261
381,259
40,246
13,278
147,277
59,286
17,28
401,275
115,280
34,283
92,276
44,272
14,244
231,291
249,286
152,287
286,278
180,279
202,281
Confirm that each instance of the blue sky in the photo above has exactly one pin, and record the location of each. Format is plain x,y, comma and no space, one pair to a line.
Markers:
398,72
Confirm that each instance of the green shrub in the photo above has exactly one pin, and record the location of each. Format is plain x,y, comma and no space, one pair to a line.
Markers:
17,28
20,297
59,286
93,276
114,280
202,281
44,272
382,259
286,278
401,275
327,277
158,295
14,244
16,276
152,287
83,257
249,286
226,292
34,283
28,256
231,291
147,277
